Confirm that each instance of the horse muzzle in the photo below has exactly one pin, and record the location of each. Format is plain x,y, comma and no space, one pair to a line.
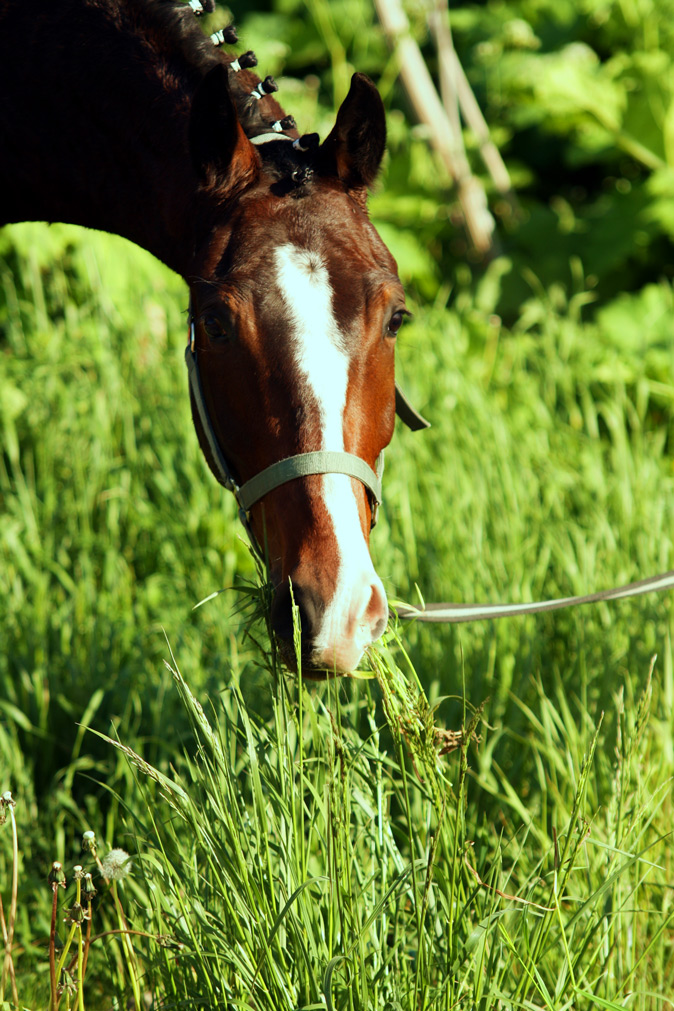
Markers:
335,635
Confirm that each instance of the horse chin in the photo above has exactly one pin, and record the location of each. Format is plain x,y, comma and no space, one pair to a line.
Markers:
312,669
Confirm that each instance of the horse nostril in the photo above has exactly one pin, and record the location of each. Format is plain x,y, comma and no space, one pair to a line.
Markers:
282,613
376,610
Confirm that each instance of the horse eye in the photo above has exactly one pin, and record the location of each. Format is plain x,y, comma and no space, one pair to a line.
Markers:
395,322
214,327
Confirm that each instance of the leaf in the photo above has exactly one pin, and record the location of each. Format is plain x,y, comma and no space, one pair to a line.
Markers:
414,261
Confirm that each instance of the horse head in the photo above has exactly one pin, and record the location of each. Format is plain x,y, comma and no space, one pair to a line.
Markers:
294,316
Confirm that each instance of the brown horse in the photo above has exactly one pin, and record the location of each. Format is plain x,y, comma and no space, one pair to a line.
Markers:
122,115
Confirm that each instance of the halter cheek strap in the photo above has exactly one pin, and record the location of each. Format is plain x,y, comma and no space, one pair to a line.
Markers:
224,475
414,421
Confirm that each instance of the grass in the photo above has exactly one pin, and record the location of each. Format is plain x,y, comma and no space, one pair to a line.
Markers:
296,848
312,860
484,820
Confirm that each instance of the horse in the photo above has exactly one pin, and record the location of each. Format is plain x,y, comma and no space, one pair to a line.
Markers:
124,116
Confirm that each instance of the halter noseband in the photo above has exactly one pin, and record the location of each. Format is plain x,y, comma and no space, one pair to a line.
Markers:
292,467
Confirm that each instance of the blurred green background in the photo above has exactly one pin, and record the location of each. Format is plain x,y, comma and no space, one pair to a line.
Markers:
546,371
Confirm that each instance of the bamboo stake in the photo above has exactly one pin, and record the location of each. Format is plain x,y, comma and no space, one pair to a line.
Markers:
457,93
430,110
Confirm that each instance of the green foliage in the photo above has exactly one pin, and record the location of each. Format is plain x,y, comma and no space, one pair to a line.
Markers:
98,521
547,376
546,472
304,863
580,100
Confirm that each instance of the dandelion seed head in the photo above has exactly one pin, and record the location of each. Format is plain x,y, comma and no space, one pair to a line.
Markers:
116,865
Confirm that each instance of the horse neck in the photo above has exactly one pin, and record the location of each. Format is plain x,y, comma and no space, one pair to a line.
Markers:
96,130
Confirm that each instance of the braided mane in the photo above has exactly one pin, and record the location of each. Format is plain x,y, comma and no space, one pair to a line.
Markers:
260,114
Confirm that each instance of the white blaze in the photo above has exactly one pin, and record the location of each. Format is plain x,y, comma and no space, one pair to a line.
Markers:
322,360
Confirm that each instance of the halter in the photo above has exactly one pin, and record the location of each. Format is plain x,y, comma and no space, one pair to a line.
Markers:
292,467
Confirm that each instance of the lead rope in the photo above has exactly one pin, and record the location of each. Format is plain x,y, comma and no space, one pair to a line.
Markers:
448,613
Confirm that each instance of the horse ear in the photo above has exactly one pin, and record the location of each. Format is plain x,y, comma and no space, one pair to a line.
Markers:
219,148
355,147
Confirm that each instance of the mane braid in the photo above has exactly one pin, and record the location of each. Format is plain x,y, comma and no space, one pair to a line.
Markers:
170,26
256,115
178,44
292,166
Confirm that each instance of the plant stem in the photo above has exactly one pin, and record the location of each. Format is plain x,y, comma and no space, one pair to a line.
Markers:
8,967
64,955
80,970
87,941
128,946
53,1004
3,923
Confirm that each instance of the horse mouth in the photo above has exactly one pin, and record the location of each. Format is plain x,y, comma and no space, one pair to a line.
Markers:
311,669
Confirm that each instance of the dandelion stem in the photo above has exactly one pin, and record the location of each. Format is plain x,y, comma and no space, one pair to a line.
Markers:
87,941
52,951
64,953
8,929
15,895
80,973
4,938
57,879
76,926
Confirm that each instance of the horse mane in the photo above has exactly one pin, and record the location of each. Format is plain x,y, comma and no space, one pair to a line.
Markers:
127,98
171,26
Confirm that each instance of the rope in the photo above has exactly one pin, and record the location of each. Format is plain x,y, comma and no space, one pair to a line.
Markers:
447,613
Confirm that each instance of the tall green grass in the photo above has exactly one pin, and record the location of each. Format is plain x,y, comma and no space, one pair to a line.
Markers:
299,848
315,860
323,847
